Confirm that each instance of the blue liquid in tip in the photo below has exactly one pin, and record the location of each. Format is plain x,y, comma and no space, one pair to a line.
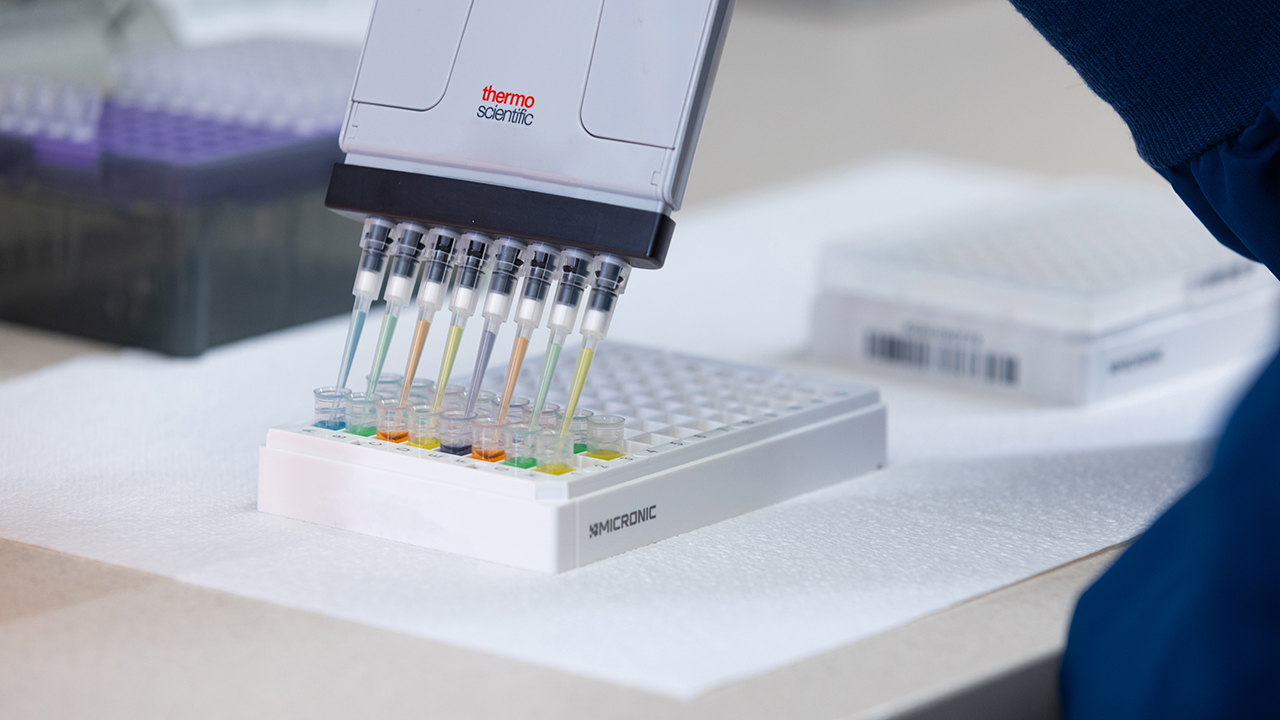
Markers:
353,339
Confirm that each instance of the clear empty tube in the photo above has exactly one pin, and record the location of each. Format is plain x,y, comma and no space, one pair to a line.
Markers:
472,259
540,272
507,262
609,275
375,241
433,293
575,268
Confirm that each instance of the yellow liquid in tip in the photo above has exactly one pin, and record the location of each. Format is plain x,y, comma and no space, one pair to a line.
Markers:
575,391
425,443
451,344
555,468
604,454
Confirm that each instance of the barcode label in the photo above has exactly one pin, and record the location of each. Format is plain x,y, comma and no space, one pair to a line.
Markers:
962,360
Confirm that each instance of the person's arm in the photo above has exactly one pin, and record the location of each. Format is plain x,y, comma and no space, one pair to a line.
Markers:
1197,84
1187,622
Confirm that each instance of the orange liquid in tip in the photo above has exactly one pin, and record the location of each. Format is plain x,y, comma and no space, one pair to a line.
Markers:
397,436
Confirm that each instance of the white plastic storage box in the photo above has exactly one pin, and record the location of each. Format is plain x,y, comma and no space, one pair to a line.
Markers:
1082,293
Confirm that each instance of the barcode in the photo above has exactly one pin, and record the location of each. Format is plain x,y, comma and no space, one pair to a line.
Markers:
968,362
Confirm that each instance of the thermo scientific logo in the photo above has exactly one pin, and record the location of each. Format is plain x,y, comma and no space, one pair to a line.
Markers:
617,522
518,112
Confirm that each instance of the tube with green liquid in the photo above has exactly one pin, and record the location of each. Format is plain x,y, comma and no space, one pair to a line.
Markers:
473,257
404,259
575,266
375,241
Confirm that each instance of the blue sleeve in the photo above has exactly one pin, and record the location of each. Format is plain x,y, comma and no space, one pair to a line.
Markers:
1186,624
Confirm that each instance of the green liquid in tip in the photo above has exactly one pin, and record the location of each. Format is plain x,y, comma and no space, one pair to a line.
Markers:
544,386
380,356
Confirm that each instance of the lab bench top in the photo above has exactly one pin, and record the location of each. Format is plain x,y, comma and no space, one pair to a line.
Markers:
81,638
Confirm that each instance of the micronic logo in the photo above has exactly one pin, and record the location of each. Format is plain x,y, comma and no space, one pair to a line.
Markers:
508,107
625,520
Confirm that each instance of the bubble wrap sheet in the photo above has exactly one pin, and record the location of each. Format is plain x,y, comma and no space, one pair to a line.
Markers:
150,463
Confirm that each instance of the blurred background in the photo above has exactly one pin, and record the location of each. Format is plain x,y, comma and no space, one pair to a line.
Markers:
163,162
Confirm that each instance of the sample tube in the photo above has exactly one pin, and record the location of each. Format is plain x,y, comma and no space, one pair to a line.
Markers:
421,391
485,404
548,418
455,432
393,420
609,275
577,428
575,267
454,398
514,409
507,262
362,415
605,440
520,447
375,241
331,407
405,256
437,265
473,256
486,439
423,432
387,385
540,272
554,453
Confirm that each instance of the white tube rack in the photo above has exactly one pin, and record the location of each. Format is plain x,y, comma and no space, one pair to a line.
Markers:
707,441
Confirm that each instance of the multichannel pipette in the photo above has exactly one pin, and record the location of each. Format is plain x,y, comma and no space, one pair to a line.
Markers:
375,240
507,261
404,256
574,268
437,261
473,255
609,274
540,272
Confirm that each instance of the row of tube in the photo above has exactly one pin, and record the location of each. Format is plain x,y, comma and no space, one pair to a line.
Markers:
522,440
521,276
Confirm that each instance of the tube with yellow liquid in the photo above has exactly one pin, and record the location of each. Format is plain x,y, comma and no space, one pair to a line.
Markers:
473,257
540,272
575,267
433,292
609,275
